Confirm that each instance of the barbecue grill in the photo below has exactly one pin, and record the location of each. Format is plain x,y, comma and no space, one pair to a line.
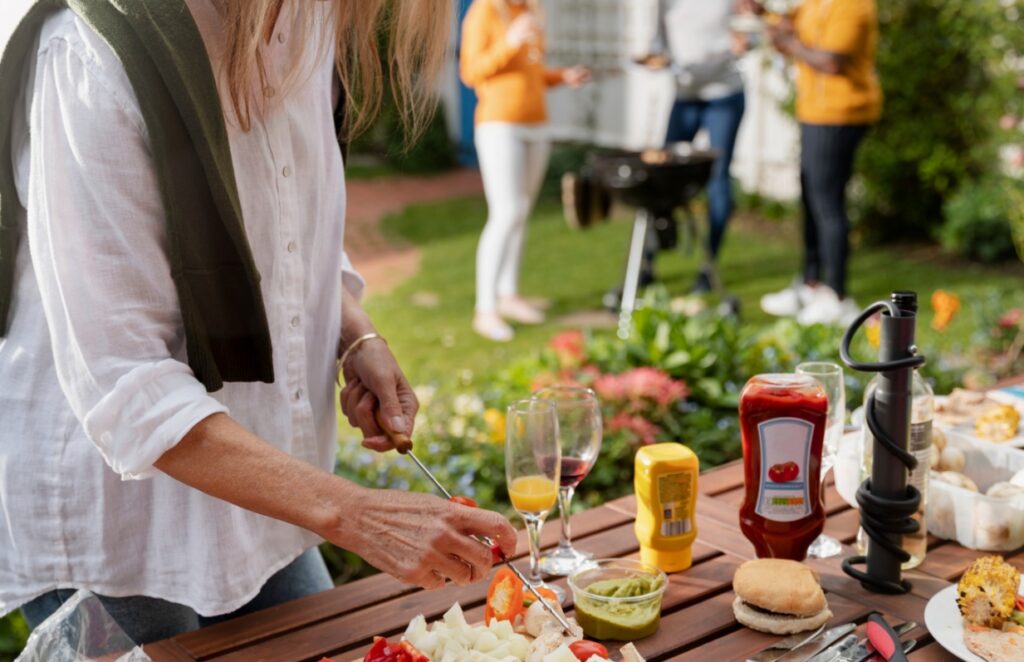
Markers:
656,182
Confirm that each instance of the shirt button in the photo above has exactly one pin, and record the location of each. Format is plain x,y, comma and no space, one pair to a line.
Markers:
296,321
286,171
292,246
298,394
280,37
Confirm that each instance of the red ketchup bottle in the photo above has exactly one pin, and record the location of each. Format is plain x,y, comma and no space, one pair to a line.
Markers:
782,419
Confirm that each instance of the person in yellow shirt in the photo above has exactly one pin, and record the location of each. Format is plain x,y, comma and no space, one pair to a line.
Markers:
502,60
838,98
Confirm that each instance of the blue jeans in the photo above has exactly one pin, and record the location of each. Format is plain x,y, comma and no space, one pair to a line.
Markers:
721,118
146,619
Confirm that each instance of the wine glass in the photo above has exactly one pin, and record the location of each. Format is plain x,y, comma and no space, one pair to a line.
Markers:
532,470
579,435
830,376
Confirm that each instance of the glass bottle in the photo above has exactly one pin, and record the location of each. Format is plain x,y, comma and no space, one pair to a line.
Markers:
922,413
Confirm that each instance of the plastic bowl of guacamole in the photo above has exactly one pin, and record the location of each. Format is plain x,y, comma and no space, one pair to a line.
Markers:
618,599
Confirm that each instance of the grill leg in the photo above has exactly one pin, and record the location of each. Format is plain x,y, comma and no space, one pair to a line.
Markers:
633,265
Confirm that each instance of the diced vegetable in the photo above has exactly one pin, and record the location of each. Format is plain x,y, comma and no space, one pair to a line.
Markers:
504,597
548,594
584,650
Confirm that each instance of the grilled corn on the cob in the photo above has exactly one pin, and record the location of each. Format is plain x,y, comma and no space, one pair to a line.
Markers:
987,591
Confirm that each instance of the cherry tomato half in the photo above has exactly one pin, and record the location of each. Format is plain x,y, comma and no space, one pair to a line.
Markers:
584,650
464,501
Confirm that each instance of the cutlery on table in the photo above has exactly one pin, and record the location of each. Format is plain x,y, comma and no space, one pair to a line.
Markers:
819,643
783,646
851,648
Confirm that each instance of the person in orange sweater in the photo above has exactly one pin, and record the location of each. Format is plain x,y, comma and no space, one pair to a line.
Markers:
838,98
503,61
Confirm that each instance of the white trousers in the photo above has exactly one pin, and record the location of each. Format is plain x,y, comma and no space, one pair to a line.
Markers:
513,159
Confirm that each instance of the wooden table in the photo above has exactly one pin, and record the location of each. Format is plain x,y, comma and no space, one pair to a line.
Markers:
697,621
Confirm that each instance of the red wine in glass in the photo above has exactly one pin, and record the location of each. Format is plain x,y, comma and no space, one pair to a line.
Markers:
574,470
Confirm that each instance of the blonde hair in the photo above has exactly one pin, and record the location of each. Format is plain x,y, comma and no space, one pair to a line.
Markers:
416,32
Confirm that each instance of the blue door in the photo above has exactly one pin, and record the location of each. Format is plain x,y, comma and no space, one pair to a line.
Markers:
467,105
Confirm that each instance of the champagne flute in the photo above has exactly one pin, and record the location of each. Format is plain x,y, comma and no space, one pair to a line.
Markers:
532,470
579,436
830,376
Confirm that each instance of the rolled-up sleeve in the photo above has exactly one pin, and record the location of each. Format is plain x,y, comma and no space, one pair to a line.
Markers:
351,279
96,234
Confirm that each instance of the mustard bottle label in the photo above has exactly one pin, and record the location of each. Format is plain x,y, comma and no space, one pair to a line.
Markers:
675,494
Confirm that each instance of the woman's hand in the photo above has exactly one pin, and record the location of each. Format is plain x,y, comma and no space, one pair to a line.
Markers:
373,381
783,37
653,61
523,30
576,76
421,539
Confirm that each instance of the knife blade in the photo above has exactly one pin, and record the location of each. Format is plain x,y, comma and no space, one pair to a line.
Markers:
847,643
783,646
819,643
862,650
403,444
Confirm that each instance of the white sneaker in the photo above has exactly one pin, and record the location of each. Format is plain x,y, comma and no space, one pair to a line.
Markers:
492,327
517,310
788,302
825,307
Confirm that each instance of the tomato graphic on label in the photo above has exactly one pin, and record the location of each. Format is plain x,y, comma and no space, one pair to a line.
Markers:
784,472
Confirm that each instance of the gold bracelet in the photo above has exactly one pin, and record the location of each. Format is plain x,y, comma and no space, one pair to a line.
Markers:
356,344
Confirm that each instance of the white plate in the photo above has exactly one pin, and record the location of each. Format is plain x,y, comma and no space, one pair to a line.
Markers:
943,620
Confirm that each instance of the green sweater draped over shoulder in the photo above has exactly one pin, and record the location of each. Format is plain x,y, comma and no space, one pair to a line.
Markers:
159,45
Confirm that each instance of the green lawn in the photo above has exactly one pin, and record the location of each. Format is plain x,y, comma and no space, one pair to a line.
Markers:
427,319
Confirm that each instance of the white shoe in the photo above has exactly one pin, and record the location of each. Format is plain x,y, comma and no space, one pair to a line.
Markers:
492,327
517,310
825,307
787,302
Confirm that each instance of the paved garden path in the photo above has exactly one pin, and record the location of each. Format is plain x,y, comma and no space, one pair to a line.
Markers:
383,261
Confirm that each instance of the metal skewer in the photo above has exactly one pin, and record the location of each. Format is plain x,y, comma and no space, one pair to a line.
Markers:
403,444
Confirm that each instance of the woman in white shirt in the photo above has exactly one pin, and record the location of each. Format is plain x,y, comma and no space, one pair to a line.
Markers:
119,473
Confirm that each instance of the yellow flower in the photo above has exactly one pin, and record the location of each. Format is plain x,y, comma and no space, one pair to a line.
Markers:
945,304
873,329
495,420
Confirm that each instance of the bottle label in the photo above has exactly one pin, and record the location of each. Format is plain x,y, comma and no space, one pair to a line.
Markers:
784,494
675,493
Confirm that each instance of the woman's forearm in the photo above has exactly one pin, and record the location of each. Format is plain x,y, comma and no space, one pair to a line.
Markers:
225,460
826,62
355,323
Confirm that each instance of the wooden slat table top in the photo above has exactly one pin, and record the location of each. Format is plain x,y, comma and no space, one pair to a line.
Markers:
697,620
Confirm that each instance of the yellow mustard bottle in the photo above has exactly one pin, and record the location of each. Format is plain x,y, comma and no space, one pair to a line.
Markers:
665,480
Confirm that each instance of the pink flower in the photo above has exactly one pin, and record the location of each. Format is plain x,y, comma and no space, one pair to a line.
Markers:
1012,318
638,386
643,430
569,346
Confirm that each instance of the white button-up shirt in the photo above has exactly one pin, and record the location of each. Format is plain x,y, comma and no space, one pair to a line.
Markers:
94,384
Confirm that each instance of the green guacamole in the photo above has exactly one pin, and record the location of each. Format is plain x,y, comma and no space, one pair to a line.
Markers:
620,620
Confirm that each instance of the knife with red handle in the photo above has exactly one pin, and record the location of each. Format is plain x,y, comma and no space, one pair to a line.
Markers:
884,639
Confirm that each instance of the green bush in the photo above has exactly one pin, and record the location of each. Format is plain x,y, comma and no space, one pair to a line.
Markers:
13,633
943,68
977,221
386,141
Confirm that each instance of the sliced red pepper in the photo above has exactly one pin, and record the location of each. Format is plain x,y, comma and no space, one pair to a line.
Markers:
381,651
504,597
410,650
464,501
584,650
1020,603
